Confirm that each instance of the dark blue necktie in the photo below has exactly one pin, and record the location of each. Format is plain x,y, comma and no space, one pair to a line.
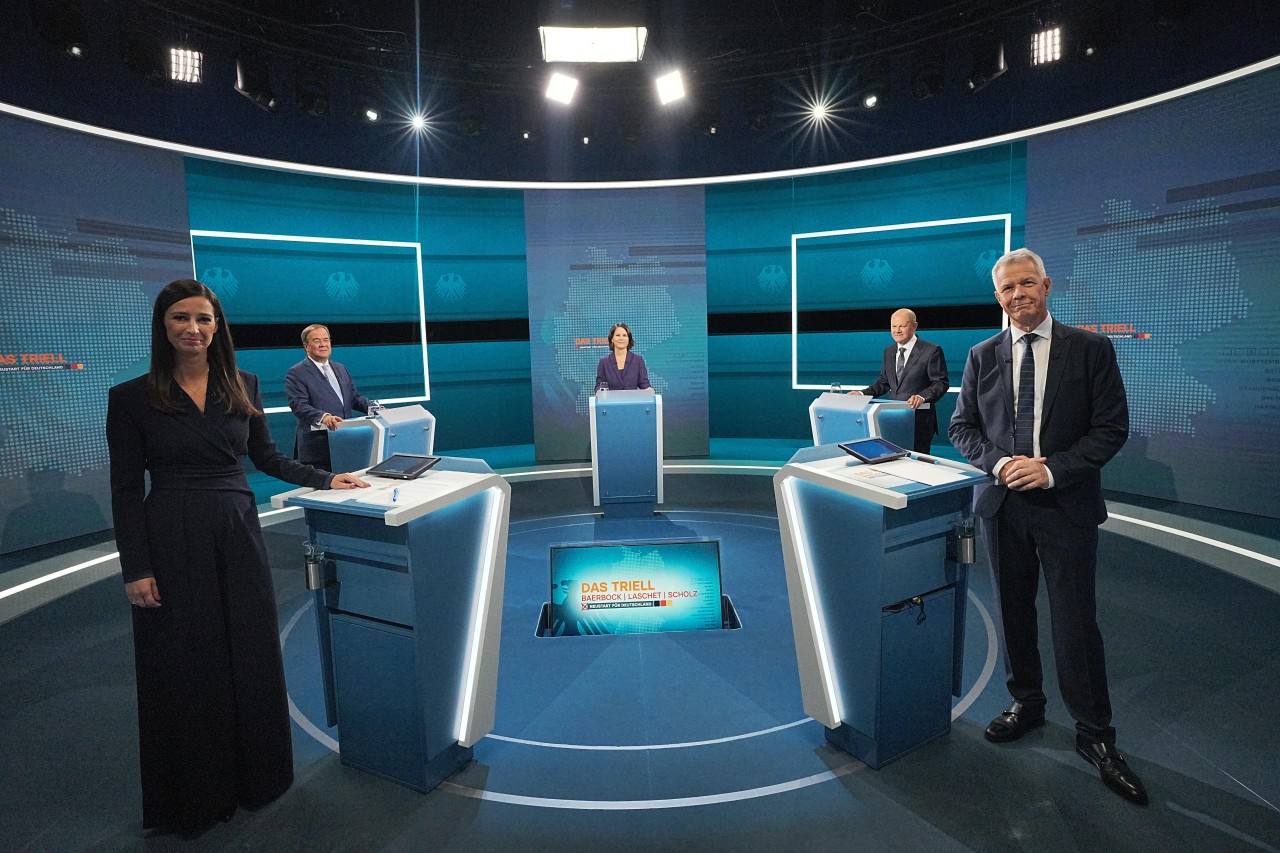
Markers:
1024,427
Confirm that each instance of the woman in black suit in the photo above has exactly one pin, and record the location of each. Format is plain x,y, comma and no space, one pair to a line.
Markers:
213,715
622,369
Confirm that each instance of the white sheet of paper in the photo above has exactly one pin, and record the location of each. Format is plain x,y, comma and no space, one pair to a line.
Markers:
923,472
874,475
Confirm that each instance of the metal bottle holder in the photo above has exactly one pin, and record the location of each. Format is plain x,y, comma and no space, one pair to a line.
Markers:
963,543
313,563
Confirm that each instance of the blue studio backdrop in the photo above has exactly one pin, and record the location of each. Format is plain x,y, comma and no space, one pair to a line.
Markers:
1159,228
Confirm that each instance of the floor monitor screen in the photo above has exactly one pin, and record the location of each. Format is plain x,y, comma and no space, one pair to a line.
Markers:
635,587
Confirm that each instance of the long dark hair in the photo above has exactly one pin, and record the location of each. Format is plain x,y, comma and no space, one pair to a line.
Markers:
631,339
224,378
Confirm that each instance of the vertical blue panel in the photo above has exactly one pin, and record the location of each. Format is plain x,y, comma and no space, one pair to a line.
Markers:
90,229
1171,247
600,257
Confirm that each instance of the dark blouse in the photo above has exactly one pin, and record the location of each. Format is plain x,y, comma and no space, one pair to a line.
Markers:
632,377
184,450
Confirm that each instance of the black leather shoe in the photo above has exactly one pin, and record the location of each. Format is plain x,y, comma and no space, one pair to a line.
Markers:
1013,723
1116,774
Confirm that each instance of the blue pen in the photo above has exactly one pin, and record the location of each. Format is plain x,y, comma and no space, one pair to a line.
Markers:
395,494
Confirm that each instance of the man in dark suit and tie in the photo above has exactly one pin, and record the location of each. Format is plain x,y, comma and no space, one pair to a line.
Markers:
321,395
914,370
1042,407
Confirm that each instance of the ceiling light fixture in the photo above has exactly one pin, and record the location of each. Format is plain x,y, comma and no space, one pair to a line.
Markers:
253,80
706,118
757,103
873,85
61,25
1046,46
988,62
927,72
593,44
471,117
186,65
561,88
366,101
670,87
311,89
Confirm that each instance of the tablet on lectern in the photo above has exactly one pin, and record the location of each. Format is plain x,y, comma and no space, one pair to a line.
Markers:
873,450
403,466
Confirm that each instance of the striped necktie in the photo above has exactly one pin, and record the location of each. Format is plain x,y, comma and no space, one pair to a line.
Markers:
1024,427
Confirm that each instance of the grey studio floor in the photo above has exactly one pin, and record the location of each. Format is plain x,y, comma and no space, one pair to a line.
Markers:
688,742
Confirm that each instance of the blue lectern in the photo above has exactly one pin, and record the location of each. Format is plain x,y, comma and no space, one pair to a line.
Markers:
408,577
626,451
876,579
360,442
845,417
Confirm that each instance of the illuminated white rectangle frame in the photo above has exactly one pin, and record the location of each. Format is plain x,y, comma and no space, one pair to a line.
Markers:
1006,218
343,241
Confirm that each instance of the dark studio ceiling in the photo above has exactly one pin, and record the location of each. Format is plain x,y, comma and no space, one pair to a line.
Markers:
494,43
752,67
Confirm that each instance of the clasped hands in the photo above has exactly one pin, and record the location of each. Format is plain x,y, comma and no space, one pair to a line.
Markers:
1023,473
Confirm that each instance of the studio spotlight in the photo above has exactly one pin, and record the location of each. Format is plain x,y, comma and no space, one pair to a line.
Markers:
706,118
757,103
927,72
988,62
471,118
366,101
584,124
530,126
1094,31
253,80
144,57
60,24
670,87
873,85
1046,46
561,88
186,65
311,87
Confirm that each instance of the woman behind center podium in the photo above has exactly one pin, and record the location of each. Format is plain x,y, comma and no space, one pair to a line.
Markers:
213,716
622,369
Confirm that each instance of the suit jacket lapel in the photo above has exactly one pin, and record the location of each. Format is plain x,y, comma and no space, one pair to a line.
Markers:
1004,361
205,425
1058,356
